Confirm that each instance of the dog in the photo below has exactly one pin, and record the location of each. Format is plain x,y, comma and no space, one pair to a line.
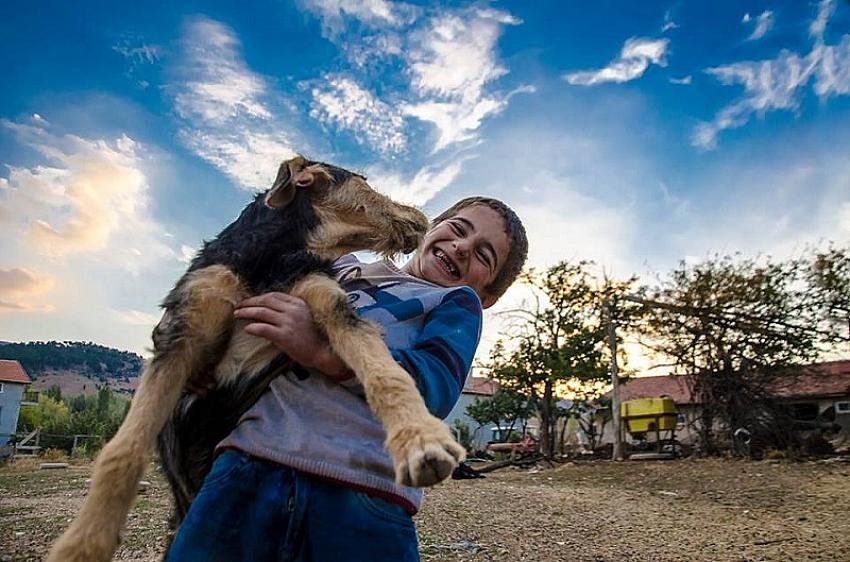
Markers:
285,240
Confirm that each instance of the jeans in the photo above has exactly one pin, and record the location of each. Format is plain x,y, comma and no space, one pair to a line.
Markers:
250,509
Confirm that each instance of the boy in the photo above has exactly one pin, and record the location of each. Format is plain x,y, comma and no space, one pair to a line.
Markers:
304,476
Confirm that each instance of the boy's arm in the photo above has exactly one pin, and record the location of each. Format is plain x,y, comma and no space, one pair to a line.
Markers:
441,356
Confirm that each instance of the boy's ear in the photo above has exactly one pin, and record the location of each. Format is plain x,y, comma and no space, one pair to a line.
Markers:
488,300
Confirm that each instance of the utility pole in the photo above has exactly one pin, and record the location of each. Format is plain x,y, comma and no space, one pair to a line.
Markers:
615,382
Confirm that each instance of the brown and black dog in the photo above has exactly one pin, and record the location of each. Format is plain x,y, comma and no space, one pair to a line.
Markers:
285,240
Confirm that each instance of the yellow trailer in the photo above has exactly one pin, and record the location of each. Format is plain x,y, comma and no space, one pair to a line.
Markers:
643,415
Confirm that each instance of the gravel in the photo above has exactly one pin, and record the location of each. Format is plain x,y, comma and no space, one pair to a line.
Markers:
714,509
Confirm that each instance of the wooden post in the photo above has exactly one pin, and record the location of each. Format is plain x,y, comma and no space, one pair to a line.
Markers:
615,382
74,446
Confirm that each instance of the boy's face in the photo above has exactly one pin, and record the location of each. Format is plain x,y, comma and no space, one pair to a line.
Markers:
466,249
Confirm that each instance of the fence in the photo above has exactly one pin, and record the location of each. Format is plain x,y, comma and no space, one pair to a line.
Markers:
33,443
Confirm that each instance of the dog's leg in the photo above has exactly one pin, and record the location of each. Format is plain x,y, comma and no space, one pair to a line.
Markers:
201,315
422,448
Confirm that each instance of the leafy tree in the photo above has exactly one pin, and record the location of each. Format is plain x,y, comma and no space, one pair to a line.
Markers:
54,392
462,434
740,325
558,343
505,407
49,415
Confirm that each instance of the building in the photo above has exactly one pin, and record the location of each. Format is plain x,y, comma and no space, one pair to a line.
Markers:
475,387
13,382
816,393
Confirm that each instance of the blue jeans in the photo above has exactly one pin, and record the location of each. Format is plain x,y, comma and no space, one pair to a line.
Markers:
250,509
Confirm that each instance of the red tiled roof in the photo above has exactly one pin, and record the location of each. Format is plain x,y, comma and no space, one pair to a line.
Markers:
674,386
480,386
11,371
823,380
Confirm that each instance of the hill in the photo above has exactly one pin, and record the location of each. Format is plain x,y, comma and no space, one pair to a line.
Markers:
86,359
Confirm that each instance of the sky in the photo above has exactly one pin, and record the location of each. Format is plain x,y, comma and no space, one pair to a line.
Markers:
634,134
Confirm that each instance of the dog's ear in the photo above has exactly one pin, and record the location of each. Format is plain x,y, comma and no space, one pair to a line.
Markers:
283,189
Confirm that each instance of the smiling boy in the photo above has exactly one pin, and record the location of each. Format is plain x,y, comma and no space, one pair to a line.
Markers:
304,476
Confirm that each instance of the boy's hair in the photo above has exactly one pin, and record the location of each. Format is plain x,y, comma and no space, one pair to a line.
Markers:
517,240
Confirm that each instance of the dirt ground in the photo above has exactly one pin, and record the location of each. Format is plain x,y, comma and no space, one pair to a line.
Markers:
591,511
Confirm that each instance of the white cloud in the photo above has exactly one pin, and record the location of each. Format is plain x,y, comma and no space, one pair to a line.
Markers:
136,318
635,57
456,122
684,80
18,286
450,61
764,22
333,13
778,84
668,22
187,253
818,26
143,54
89,196
341,101
419,189
225,117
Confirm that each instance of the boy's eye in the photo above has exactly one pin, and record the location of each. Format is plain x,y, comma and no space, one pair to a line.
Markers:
456,228
483,257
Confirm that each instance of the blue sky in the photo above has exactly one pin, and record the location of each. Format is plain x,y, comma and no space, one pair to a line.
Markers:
633,134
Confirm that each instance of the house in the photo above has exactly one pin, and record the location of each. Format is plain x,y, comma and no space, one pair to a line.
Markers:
475,387
13,382
818,392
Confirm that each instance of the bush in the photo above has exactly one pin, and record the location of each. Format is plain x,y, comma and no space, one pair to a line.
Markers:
54,455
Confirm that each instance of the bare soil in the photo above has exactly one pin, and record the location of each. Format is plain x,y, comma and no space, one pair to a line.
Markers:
590,511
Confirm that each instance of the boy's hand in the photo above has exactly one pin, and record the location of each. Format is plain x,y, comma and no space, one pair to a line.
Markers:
287,322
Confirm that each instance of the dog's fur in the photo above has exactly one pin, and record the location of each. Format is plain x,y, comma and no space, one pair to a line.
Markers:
284,240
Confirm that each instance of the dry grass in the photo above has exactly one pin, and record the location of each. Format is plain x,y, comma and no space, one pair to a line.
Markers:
684,510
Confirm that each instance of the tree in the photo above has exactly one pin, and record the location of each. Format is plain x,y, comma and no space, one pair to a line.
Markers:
556,343
505,407
739,325
54,392
50,415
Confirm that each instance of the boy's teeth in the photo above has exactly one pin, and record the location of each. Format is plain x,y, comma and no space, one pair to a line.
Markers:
442,257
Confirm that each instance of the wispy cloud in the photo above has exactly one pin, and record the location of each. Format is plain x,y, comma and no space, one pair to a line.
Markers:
341,101
635,57
818,25
668,22
779,84
226,119
683,81
88,196
418,189
136,318
442,63
451,60
763,24
334,13
187,253
142,54
18,286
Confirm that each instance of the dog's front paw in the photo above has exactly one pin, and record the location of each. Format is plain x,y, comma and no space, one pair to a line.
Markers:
424,453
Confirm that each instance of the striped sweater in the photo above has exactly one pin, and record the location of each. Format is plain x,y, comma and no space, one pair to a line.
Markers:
325,428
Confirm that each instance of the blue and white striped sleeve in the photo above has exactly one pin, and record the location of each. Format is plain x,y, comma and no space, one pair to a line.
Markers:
441,355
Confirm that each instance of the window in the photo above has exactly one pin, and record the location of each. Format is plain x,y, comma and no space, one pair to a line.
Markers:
842,407
805,411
